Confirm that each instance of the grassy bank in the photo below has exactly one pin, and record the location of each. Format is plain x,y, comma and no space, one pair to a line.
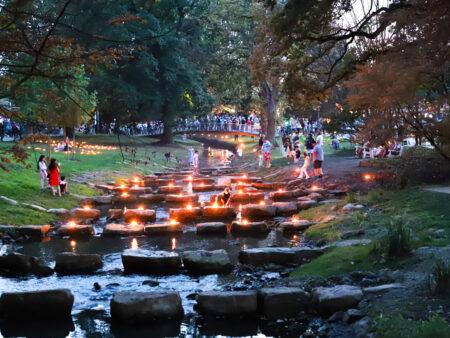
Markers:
423,212
21,183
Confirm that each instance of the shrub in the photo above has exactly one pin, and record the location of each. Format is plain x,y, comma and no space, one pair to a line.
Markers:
440,278
351,197
375,196
397,242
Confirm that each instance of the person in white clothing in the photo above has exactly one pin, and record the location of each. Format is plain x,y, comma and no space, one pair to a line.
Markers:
42,167
195,162
305,166
319,138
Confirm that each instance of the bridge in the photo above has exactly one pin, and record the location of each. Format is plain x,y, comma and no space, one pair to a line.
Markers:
206,130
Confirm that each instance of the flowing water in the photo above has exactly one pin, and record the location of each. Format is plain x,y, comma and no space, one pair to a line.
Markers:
91,307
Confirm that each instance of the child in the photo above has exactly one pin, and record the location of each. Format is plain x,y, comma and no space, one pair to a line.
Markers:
224,198
305,166
53,181
63,185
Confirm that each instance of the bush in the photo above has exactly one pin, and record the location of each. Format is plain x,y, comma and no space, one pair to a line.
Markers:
397,326
351,197
375,196
397,242
440,278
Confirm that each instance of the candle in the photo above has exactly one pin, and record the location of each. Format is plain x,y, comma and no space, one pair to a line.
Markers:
87,207
141,207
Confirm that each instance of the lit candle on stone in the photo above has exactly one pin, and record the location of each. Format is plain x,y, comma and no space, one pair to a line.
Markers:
141,207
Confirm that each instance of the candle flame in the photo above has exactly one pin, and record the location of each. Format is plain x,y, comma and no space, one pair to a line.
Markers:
173,222
124,194
87,207
73,244
368,177
189,178
280,190
71,224
262,203
133,222
314,187
294,218
240,191
141,207
189,206
244,221
171,185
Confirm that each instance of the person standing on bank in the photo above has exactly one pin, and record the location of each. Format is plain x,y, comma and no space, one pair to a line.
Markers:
42,168
318,159
53,181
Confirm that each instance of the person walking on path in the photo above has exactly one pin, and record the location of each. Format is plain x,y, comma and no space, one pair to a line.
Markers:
42,168
53,181
309,143
195,162
304,167
318,159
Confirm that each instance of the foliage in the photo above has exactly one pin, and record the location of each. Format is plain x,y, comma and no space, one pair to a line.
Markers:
440,278
398,326
397,242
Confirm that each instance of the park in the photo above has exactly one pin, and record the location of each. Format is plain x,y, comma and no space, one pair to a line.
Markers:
210,168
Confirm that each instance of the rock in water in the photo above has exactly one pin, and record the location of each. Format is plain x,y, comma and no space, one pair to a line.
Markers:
132,307
68,263
150,262
207,262
227,303
282,302
36,304
337,298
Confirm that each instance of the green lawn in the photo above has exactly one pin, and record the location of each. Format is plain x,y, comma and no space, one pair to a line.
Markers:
21,183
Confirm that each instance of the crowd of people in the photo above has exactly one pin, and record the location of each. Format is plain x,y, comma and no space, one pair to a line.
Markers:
9,129
50,177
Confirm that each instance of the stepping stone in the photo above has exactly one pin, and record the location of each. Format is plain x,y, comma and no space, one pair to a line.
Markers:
150,262
207,187
45,304
317,190
382,288
124,198
182,199
281,195
283,302
15,264
306,204
185,214
163,228
116,229
199,181
328,300
330,201
211,228
163,182
33,231
243,227
207,262
68,263
152,198
247,197
140,215
315,196
76,230
278,256
285,208
136,190
115,214
246,179
298,225
213,213
174,189
227,303
59,211
99,200
85,213
257,212
131,307
263,185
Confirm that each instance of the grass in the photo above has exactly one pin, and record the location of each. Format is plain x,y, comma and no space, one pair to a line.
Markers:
21,183
338,260
398,326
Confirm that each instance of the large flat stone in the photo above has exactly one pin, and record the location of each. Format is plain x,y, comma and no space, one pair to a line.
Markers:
116,229
152,198
132,307
297,225
207,262
243,227
227,303
124,198
185,214
150,262
83,214
306,204
115,214
211,228
163,228
285,208
76,230
337,298
247,197
15,264
282,302
213,213
33,231
277,256
181,199
137,190
170,189
258,212
144,215
44,304
68,263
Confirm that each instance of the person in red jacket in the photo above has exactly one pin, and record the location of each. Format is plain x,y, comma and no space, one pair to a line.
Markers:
53,177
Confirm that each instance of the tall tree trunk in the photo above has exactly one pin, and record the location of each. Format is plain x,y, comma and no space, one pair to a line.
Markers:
168,122
269,95
69,132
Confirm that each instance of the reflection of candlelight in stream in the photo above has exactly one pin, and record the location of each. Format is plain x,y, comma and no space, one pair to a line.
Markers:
174,243
294,237
73,245
134,244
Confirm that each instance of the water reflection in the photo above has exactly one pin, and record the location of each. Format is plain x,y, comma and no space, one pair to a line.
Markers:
73,245
134,244
174,244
